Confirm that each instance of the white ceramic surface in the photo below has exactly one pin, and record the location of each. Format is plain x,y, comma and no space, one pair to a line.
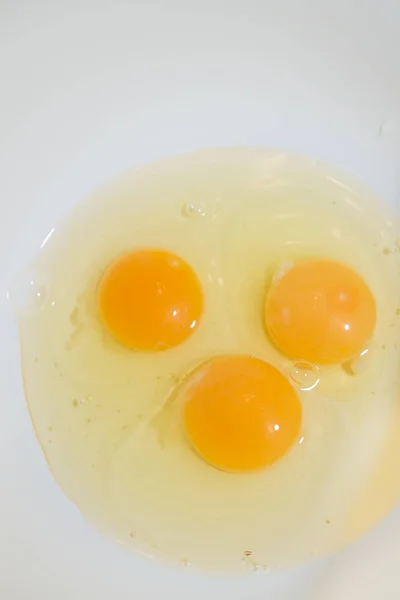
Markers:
90,87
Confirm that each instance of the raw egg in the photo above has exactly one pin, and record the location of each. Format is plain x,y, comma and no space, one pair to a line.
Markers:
192,410
321,311
150,300
240,413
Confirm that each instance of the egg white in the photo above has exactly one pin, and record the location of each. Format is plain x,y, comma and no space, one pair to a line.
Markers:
104,416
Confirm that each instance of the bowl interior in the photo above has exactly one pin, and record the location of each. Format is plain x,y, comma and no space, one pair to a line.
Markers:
92,88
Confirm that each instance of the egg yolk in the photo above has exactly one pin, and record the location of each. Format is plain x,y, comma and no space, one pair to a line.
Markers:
150,300
321,311
240,413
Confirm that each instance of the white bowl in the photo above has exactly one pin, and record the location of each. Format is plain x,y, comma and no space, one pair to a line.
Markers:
91,87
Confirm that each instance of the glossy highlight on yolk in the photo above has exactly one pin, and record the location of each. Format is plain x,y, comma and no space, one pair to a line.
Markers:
321,311
240,413
150,300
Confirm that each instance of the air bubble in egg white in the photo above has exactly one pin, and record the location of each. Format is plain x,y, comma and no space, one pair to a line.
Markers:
185,562
304,375
250,564
30,292
192,210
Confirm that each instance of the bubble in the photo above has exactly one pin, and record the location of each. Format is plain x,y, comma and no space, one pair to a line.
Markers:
250,564
192,210
185,562
304,375
30,292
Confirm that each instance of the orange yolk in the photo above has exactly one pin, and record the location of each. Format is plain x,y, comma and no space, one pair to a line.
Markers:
150,300
240,413
320,311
